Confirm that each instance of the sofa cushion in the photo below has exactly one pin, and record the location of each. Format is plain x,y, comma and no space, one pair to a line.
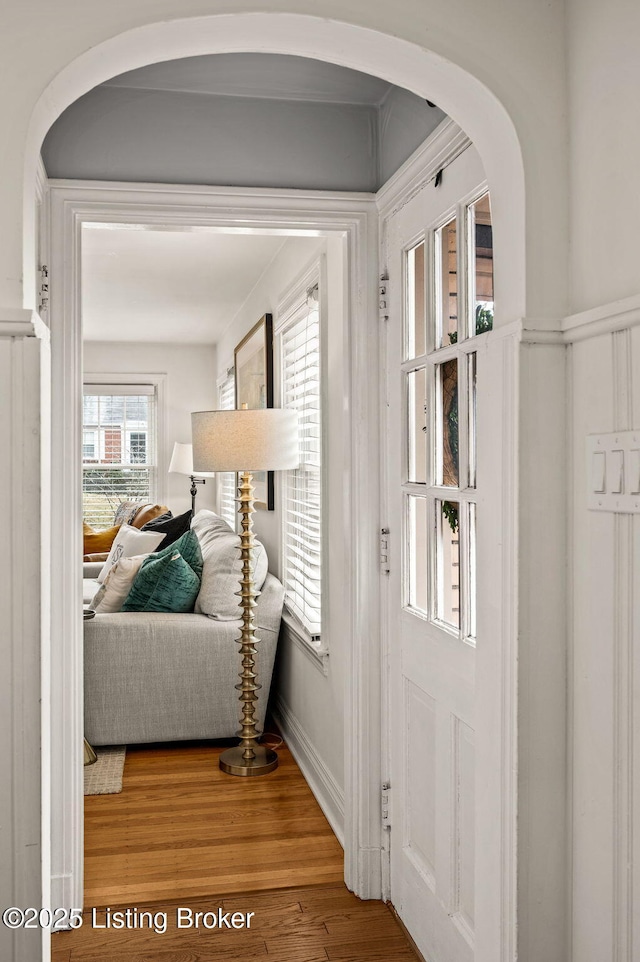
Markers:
129,542
113,591
222,571
165,582
172,528
96,541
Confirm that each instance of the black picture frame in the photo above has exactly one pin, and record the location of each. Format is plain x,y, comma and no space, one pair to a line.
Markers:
253,360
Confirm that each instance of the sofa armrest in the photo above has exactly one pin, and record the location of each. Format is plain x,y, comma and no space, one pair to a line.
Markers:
100,556
91,569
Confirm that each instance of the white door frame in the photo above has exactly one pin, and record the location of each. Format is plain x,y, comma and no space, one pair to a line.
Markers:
74,203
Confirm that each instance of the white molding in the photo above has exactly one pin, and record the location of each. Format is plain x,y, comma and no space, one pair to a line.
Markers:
22,323
42,180
353,216
509,651
67,708
326,790
623,678
446,143
24,602
317,655
615,316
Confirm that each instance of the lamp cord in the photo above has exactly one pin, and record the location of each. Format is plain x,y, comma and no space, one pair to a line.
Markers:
278,738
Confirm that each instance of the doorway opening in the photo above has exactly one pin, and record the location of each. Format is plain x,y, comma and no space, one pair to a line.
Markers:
362,766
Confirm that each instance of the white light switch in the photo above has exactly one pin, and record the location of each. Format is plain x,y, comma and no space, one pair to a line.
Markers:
598,468
633,471
613,472
615,465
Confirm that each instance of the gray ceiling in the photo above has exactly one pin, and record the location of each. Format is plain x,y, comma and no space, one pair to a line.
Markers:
267,76
241,120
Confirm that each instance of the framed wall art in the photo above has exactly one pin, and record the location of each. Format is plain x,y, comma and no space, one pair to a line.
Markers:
253,358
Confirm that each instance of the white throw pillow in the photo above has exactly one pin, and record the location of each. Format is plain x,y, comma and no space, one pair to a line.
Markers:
113,591
129,542
222,570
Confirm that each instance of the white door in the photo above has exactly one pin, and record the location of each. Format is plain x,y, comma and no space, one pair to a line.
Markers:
440,300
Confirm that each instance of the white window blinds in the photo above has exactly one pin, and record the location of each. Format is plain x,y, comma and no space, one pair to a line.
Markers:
302,489
226,479
118,448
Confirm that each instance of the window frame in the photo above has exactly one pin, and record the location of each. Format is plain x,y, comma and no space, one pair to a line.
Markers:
157,382
291,305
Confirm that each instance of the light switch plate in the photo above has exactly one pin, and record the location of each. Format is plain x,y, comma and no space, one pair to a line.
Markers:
613,472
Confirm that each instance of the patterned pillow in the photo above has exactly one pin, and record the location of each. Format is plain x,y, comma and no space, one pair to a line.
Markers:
113,591
129,542
165,582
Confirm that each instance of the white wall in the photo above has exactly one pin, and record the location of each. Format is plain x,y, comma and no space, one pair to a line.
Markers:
190,385
604,395
604,79
308,700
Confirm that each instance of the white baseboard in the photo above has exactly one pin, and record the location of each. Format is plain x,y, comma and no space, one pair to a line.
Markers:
328,793
62,892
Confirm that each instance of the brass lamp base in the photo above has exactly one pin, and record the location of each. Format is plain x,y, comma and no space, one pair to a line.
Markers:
263,762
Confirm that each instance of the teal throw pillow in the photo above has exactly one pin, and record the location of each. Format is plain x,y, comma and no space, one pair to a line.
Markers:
165,582
189,547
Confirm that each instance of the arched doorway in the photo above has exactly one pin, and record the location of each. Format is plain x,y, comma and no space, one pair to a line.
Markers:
485,120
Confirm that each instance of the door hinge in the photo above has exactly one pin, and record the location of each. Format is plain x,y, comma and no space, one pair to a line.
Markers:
43,292
386,805
383,297
384,551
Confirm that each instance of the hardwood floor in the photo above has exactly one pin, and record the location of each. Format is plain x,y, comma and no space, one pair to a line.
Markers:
184,835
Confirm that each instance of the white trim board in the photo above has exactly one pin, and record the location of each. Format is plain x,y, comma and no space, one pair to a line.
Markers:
353,216
326,790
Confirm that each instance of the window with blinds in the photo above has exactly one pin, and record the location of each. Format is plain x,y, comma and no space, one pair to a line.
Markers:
300,365
227,507
118,448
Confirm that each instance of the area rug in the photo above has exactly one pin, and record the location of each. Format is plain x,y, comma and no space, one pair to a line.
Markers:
104,777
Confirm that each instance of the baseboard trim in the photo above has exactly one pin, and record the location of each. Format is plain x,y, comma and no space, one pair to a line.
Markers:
62,891
326,790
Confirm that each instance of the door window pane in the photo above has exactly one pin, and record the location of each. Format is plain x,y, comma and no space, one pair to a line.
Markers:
448,562
471,394
447,393
417,555
481,275
472,570
416,334
416,402
447,247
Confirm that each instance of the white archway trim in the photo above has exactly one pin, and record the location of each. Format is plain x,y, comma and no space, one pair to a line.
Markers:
355,217
469,102
488,124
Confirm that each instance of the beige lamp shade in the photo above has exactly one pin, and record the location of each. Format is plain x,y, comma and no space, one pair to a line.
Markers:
265,440
182,461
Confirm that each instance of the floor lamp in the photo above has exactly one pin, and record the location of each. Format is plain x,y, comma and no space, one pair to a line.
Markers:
246,441
182,463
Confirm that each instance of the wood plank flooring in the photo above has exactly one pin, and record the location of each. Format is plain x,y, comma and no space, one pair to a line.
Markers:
184,834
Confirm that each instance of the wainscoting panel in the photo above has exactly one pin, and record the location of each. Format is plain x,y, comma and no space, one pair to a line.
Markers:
604,650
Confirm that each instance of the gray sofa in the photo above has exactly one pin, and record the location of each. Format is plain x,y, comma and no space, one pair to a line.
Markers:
151,677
